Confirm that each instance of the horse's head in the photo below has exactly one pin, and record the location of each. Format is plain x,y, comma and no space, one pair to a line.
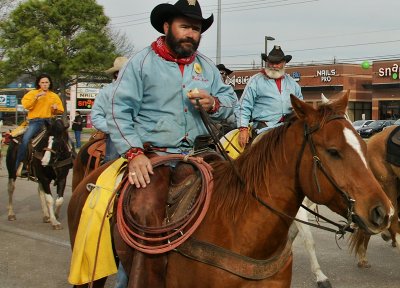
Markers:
332,168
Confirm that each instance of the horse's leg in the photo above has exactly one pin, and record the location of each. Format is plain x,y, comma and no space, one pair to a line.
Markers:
362,252
309,244
45,210
61,183
45,188
11,189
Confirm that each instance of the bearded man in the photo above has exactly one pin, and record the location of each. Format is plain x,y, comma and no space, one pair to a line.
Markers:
266,97
154,110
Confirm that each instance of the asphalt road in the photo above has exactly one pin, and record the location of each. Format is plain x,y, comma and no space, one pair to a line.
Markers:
33,255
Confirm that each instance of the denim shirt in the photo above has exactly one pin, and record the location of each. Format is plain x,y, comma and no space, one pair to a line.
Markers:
262,101
150,103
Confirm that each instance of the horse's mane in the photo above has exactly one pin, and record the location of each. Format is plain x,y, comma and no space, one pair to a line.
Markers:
256,165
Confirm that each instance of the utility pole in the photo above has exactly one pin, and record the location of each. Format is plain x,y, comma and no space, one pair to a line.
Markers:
266,46
219,34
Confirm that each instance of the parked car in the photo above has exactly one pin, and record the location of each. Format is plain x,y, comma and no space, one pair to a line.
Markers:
374,127
361,123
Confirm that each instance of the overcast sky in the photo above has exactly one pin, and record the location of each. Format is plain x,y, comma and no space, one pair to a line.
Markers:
349,31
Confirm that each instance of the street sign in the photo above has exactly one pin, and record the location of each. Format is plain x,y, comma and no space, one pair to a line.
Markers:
8,103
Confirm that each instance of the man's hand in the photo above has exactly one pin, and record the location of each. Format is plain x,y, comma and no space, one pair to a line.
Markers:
243,137
206,100
139,169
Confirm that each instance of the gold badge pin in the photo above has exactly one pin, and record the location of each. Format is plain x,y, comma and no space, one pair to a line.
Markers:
197,68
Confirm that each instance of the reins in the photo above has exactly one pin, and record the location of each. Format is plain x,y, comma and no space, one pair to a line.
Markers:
317,164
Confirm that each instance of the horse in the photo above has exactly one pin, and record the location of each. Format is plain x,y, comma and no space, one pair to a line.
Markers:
255,197
89,157
388,176
51,159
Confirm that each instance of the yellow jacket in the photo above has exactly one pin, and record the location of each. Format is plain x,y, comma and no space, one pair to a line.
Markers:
41,108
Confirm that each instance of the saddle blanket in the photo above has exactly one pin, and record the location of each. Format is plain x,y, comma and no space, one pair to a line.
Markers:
87,238
393,147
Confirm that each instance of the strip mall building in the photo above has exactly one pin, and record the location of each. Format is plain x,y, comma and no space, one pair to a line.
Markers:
374,92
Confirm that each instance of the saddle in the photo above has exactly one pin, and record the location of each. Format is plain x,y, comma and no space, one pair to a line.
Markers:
393,147
96,152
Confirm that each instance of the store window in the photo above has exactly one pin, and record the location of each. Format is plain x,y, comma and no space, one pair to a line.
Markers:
360,110
389,110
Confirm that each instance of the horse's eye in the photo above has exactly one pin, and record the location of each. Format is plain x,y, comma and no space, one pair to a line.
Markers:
334,153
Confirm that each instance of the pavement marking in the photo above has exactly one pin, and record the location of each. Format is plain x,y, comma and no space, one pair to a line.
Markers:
34,235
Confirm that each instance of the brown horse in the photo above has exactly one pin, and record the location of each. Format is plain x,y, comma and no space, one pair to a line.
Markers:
318,155
388,176
89,157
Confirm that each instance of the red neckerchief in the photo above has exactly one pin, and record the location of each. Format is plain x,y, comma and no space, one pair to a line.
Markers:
277,81
162,50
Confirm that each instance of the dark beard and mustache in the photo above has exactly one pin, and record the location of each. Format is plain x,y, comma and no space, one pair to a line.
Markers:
176,45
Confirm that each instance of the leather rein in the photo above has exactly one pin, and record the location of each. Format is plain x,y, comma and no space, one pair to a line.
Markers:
317,164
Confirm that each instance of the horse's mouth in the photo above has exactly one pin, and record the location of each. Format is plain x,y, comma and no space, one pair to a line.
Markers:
357,220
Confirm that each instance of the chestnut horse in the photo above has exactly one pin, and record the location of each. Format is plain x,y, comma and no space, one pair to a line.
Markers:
388,176
318,155
85,162
51,160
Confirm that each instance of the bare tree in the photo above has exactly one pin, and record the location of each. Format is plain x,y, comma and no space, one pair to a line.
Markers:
121,41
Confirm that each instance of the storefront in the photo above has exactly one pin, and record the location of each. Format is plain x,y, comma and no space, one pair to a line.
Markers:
329,80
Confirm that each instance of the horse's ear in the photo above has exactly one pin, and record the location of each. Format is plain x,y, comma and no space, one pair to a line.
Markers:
301,108
341,103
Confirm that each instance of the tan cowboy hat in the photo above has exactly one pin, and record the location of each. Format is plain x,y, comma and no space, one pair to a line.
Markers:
188,8
276,55
119,62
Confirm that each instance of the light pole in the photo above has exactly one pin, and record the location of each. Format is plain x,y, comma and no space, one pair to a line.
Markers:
266,49
219,33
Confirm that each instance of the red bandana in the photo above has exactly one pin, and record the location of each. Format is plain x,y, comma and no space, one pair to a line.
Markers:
162,50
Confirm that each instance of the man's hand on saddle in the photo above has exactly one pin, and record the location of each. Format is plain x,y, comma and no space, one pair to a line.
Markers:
139,169
243,137
206,100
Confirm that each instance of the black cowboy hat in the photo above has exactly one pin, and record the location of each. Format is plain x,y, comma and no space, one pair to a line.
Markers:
188,8
223,68
276,55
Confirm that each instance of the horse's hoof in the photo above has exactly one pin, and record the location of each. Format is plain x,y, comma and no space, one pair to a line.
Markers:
12,217
57,227
363,264
394,244
385,236
324,284
46,219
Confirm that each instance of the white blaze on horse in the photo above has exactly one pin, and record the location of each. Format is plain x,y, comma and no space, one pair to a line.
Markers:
51,159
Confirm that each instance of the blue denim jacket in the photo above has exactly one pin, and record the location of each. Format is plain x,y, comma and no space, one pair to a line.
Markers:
150,102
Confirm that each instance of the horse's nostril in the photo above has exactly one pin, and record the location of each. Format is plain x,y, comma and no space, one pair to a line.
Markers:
378,215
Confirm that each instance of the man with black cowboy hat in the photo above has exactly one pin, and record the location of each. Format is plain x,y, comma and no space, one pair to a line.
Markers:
266,97
225,72
155,107
102,108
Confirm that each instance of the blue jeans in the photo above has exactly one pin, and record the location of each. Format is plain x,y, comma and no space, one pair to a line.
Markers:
33,128
78,138
122,278
111,151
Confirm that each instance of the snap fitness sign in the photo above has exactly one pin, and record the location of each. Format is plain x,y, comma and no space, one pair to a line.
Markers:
392,72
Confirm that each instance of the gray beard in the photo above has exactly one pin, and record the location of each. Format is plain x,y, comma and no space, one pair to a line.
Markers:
274,74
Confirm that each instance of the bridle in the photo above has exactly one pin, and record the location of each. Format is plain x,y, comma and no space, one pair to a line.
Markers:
317,165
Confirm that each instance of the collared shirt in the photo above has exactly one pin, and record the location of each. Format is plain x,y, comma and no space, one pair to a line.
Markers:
150,103
263,102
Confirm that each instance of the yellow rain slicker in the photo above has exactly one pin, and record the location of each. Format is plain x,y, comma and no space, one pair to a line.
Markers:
84,252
